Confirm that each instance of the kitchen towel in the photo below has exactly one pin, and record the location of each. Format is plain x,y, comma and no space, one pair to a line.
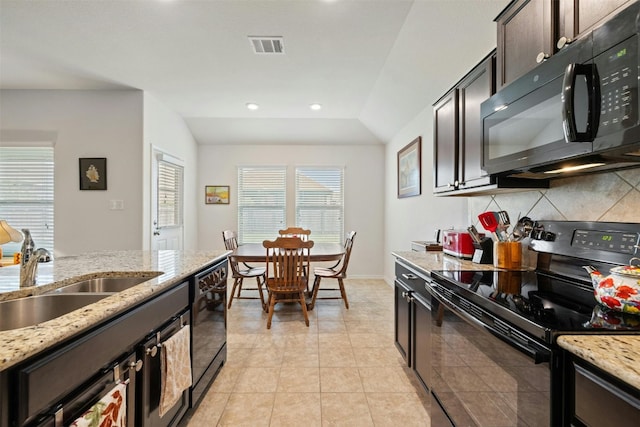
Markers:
175,364
110,411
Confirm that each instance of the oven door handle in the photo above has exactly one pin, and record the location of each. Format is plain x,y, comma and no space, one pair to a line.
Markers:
537,354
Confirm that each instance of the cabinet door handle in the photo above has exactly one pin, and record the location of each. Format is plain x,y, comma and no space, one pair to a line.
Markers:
136,366
541,57
562,42
409,276
152,351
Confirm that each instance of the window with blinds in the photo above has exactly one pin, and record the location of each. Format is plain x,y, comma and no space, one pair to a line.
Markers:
320,202
262,207
170,193
26,193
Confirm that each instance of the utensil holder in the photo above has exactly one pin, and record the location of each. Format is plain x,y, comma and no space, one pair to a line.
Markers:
483,253
507,255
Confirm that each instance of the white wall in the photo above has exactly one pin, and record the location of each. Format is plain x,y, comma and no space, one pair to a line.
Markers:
415,218
364,192
87,124
167,131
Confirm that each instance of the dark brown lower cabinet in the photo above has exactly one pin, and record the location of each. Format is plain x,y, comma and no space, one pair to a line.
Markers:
403,320
421,352
413,321
594,398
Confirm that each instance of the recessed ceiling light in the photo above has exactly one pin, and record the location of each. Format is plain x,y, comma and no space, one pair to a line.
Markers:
252,106
315,107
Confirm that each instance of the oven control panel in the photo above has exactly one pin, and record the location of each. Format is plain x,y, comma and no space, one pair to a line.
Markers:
611,241
593,241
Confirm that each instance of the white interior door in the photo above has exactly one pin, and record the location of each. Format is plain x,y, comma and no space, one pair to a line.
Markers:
167,201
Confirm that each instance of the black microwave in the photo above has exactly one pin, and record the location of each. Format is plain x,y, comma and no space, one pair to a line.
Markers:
577,112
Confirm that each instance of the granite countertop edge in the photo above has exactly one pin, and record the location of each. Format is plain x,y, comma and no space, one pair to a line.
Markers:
438,260
617,355
165,269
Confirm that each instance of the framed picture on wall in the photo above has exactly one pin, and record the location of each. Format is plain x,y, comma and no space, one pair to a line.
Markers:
93,173
216,194
409,163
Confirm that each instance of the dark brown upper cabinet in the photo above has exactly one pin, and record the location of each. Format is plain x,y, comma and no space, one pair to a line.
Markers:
529,31
457,132
525,34
445,142
579,16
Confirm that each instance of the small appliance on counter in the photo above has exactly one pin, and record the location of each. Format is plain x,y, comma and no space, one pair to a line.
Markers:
422,246
427,246
457,243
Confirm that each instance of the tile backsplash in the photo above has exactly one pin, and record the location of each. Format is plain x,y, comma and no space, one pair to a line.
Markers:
612,196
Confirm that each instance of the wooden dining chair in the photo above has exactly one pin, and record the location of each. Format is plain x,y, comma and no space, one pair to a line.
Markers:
302,234
295,232
338,271
243,271
286,260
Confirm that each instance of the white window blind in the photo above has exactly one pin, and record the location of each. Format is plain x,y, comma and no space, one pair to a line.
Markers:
262,194
26,193
170,189
320,202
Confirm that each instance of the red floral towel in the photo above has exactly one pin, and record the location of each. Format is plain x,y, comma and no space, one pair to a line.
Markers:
110,411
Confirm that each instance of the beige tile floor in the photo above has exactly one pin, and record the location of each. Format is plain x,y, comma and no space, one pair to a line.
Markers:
342,370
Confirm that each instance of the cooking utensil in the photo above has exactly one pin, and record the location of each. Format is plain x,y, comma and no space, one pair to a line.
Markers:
503,224
490,223
503,217
473,232
521,229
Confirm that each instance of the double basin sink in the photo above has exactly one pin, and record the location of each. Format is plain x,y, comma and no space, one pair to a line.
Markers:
29,311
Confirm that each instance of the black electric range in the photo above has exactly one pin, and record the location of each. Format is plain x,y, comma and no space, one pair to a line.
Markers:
557,298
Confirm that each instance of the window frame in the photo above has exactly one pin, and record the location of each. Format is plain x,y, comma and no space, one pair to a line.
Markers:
314,201
176,213
33,202
275,205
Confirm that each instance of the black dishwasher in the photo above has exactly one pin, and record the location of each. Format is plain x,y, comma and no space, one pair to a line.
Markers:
208,327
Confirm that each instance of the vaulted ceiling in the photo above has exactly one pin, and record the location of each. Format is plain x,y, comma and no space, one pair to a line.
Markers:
373,65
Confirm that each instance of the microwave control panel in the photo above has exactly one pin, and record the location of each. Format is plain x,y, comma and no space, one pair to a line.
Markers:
618,70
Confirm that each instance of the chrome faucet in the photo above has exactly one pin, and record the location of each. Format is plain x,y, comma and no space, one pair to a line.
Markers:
29,259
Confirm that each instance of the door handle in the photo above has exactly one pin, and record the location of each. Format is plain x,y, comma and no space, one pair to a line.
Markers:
569,126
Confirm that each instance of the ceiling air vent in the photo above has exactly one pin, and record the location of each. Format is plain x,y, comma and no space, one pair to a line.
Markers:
263,45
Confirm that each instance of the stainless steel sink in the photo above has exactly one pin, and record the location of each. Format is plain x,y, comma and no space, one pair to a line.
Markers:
101,284
29,311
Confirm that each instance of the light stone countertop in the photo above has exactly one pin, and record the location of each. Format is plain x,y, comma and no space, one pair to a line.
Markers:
164,269
429,261
618,355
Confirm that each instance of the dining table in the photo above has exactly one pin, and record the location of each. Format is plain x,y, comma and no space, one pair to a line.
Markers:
255,252
320,252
